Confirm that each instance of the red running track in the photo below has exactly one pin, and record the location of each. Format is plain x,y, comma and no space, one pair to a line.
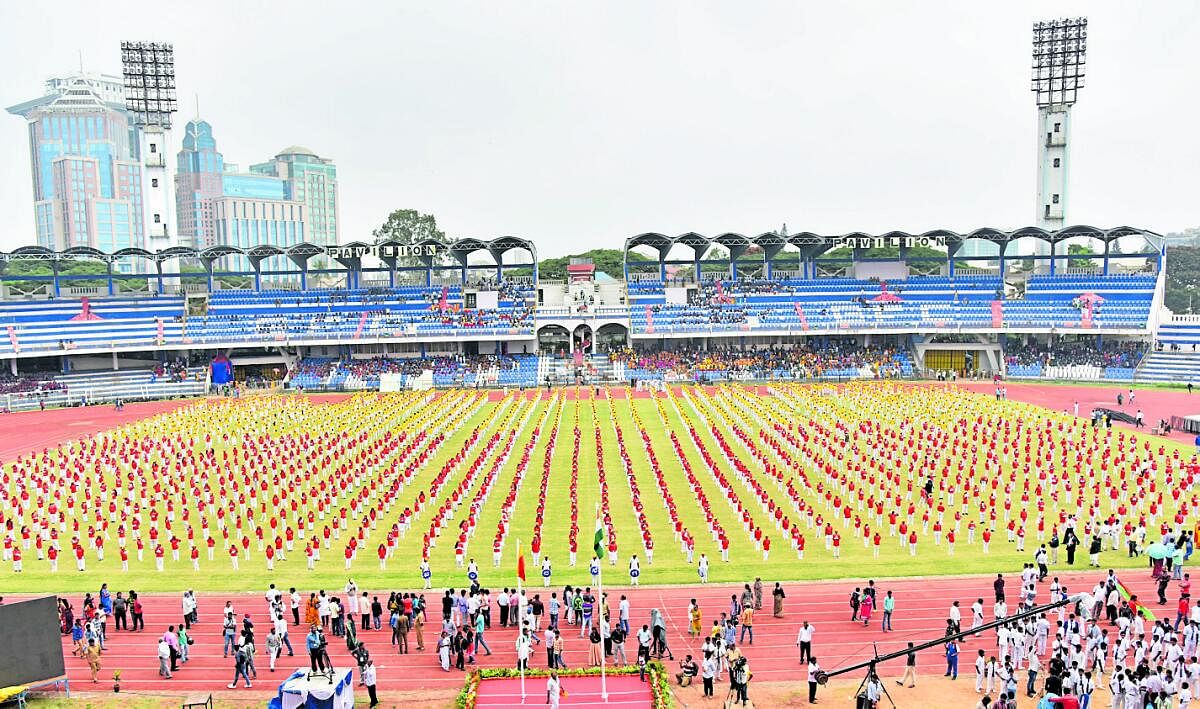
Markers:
28,431
1155,403
921,610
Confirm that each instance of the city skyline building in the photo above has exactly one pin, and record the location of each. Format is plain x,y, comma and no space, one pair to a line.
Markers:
311,180
219,205
85,169
198,176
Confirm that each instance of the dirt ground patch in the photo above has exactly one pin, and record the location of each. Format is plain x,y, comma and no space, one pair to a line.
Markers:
930,692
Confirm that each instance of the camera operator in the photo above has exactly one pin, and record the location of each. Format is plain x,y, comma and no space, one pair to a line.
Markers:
873,690
739,681
317,654
361,654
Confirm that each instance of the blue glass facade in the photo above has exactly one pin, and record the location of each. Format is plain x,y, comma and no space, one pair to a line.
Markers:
253,187
80,147
199,152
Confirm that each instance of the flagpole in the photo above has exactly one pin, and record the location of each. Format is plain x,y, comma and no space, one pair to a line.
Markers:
520,631
600,593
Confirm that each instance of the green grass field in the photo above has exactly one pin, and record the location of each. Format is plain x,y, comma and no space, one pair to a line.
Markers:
880,408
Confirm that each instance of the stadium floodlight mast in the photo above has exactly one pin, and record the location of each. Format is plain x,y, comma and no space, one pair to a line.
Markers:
148,69
1059,64
149,72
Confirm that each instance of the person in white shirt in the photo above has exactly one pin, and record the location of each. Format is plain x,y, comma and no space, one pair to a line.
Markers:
324,611
980,668
273,597
164,659
1185,695
804,640
368,679
703,568
502,604
295,598
874,691
956,616
351,599
426,574
280,627
524,649
977,613
553,689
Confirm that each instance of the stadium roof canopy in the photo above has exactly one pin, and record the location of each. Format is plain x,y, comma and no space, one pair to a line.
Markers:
811,246
816,244
425,251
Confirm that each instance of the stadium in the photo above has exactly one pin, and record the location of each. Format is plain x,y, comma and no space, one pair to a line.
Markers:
867,447
454,321
463,416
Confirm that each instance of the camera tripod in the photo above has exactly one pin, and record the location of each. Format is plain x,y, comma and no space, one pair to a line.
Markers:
731,697
872,675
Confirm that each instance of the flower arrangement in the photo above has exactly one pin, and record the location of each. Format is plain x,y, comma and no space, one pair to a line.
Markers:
660,687
116,681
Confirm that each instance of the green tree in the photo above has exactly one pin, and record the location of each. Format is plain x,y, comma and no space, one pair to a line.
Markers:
194,273
67,268
1080,250
932,266
1183,277
408,226
610,261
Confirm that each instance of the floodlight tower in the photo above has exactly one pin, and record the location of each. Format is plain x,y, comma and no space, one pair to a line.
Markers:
1059,60
149,72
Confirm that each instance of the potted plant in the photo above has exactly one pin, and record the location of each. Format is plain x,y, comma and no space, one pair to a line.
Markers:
116,681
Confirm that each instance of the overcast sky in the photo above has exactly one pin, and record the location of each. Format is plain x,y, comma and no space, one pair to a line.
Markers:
578,124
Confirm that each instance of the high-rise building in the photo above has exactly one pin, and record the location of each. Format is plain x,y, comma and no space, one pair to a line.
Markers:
311,180
218,205
87,178
198,170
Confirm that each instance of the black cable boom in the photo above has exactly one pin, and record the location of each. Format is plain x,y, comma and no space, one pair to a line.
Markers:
823,677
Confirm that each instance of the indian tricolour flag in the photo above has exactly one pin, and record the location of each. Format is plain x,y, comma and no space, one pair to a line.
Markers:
599,542
520,561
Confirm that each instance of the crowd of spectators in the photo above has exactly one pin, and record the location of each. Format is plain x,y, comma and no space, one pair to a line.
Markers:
702,313
804,360
174,371
1086,353
709,290
505,289
412,366
26,383
312,368
455,317
340,324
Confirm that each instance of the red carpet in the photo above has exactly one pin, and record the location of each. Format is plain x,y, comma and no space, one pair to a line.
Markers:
623,691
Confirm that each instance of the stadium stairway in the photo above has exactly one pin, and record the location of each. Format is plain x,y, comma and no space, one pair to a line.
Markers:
545,366
603,366
1174,367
